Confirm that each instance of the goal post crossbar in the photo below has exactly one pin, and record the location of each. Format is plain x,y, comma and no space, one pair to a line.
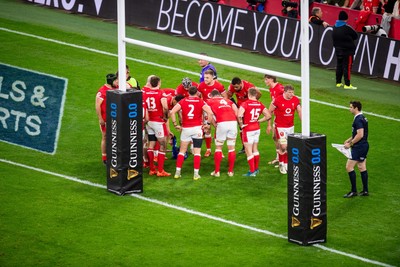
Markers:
212,59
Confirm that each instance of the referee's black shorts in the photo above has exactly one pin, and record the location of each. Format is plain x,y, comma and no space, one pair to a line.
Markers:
359,152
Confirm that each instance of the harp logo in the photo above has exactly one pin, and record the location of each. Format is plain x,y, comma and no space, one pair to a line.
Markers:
113,173
132,174
295,222
315,222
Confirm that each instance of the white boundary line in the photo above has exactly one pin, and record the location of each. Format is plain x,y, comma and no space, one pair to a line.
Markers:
171,68
197,213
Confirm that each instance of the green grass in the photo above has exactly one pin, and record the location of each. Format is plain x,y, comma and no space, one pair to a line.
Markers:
48,221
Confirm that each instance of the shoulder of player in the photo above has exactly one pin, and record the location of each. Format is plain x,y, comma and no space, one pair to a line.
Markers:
248,84
168,92
277,100
218,83
104,88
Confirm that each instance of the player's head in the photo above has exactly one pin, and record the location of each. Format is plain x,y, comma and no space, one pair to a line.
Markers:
192,90
288,91
269,79
155,81
148,80
253,92
215,93
237,83
178,98
111,79
208,76
186,82
356,105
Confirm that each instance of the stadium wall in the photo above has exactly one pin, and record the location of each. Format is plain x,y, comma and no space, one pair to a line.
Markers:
254,31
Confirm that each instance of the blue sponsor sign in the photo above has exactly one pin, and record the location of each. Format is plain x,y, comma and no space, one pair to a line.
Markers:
31,108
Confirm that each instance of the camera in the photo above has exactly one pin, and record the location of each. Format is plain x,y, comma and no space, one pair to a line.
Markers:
286,4
370,28
374,29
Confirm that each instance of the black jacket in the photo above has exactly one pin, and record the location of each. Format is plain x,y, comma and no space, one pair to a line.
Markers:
316,20
343,39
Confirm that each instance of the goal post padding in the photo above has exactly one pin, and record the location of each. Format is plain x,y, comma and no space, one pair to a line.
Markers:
124,141
307,176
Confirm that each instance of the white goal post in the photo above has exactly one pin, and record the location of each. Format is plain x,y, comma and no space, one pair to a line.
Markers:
305,60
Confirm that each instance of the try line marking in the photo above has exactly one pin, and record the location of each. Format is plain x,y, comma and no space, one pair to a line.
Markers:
197,213
169,67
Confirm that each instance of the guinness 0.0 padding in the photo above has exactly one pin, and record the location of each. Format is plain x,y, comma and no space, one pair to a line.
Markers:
307,172
124,142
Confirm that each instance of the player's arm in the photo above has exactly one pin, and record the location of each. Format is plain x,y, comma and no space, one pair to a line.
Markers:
213,122
145,115
267,115
172,115
180,117
240,117
271,108
207,109
235,109
269,127
164,104
99,100
258,96
229,94
299,111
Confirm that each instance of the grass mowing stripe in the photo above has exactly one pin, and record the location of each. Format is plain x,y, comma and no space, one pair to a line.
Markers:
201,214
173,68
343,107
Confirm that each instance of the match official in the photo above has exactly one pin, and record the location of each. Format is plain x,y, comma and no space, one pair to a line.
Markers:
359,150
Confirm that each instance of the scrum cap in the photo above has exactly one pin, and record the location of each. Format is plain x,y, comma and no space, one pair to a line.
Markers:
186,82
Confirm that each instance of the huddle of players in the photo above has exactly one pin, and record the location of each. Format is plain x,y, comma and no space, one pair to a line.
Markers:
198,106
193,108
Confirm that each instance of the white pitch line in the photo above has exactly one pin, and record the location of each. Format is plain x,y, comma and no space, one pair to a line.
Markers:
197,213
169,67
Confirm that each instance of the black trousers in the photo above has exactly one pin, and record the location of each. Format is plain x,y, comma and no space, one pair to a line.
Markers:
343,68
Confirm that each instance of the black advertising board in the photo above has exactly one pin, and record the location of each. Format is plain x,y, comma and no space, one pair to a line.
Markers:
242,28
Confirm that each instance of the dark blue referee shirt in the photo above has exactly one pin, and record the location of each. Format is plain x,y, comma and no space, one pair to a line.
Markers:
360,122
